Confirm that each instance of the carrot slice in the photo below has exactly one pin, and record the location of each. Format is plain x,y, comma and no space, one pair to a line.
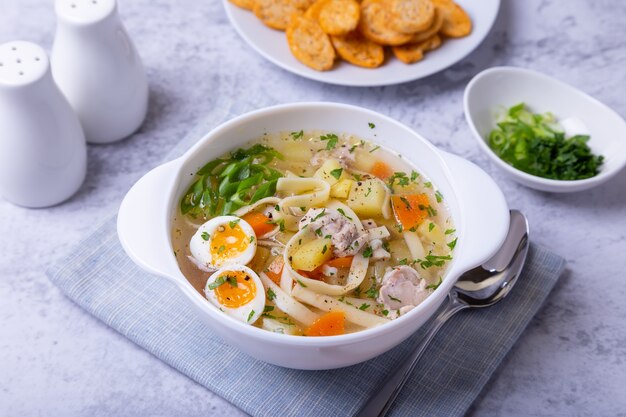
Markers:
381,170
332,323
344,262
410,210
275,269
259,222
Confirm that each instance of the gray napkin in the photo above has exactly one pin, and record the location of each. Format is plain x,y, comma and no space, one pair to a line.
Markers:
98,276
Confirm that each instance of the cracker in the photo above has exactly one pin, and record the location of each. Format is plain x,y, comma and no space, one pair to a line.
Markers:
244,4
432,30
358,50
413,52
374,24
456,21
339,17
410,16
276,13
309,44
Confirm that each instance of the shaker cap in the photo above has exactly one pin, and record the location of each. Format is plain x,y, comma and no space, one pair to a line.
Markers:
84,12
21,63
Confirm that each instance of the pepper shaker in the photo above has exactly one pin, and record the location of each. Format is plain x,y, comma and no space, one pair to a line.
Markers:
43,155
97,67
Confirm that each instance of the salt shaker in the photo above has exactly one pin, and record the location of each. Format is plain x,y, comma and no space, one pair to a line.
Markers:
43,155
97,67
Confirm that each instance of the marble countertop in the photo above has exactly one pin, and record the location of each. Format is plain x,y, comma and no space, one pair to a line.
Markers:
57,360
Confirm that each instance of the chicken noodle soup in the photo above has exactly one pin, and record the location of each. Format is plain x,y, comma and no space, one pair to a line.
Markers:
313,234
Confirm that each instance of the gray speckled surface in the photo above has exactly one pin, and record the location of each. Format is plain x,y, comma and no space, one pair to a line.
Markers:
57,360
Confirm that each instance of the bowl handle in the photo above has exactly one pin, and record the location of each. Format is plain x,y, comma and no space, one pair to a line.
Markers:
142,222
484,215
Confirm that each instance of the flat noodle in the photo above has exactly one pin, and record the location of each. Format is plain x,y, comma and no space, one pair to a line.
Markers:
288,304
286,280
318,192
414,244
326,303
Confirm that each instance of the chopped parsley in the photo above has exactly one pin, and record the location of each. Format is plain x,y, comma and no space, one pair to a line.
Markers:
324,249
433,260
332,140
251,239
374,149
406,202
385,312
428,184
271,295
268,309
369,191
438,196
297,135
431,226
233,223
205,236
250,315
372,292
371,125
343,213
450,231
434,286
452,244
323,212
401,178
414,175
368,252
364,306
336,173
280,223
221,249
302,284
403,261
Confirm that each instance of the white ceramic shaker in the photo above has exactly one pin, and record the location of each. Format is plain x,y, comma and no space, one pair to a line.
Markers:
43,156
97,67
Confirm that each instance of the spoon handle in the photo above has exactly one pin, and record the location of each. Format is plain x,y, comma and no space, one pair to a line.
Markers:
378,405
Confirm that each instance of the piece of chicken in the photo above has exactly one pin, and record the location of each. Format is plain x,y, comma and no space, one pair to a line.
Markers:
402,289
344,235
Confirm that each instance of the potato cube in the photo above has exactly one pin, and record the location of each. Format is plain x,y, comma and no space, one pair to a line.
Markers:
431,232
330,171
341,189
367,198
312,254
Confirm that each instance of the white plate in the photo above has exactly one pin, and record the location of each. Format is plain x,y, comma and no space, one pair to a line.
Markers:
272,44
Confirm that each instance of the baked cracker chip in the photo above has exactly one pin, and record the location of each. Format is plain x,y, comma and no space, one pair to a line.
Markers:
456,21
413,52
358,50
338,17
276,13
410,16
309,44
374,24
244,4
432,30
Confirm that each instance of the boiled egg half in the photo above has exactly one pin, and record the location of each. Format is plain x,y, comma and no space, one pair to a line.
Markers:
223,240
237,291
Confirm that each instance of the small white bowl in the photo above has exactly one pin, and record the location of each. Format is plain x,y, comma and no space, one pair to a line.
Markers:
577,112
481,224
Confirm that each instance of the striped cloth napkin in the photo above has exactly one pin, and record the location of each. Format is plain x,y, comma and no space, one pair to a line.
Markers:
99,277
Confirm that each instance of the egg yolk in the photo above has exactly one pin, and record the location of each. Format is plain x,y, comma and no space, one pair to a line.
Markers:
232,296
227,242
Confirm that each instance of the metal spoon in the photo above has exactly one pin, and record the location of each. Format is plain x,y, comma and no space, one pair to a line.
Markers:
480,287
